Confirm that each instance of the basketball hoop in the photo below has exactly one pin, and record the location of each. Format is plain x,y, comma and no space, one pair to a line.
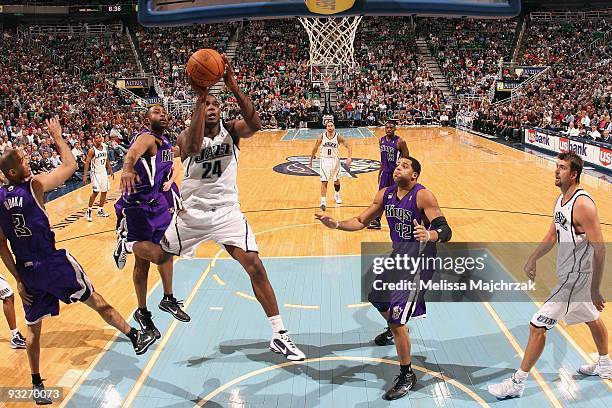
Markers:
331,40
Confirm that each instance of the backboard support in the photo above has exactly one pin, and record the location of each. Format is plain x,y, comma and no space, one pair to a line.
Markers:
186,12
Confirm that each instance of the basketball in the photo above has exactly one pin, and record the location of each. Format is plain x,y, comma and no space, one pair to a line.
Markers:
205,67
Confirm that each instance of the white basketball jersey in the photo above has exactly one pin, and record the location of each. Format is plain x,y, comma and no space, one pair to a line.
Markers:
98,165
329,147
210,177
575,254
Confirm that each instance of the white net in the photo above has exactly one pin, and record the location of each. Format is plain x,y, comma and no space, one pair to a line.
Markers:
331,39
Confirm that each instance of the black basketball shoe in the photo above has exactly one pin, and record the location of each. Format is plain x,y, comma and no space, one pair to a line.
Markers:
146,322
385,338
144,340
403,384
174,307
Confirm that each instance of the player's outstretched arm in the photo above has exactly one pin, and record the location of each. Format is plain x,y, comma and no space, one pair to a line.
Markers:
90,154
190,140
9,262
251,122
359,222
346,144
586,217
57,177
145,142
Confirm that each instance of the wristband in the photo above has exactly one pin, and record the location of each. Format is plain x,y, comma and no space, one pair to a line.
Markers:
337,224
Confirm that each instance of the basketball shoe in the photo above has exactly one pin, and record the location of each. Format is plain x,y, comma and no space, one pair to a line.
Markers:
175,308
385,338
403,384
281,343
18,341
337,197
601,368
509,388
145,320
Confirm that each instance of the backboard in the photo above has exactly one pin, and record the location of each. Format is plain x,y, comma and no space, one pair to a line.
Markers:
184,12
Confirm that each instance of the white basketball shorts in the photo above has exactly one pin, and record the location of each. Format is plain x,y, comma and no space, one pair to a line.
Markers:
99,182
570,301
330,169
191,227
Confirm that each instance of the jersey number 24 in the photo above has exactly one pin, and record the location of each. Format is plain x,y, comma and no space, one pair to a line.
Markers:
211,169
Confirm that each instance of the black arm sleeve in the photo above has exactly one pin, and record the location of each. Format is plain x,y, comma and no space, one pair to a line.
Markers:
442,228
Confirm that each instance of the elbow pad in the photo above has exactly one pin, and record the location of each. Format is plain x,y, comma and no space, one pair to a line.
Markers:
442,228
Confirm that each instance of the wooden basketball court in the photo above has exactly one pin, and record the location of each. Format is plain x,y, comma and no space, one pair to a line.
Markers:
489,193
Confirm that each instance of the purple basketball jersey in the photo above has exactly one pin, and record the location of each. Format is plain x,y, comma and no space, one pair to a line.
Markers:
403,304
152,171
49,275
401,213
144,215
389,153
25,223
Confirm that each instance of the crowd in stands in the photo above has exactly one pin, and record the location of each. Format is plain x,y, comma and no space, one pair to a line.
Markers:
573,97
272,68
391,81
34,86
469,51
165,51
560,42
94,55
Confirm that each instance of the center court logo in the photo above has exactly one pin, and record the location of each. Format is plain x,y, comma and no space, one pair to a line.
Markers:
298,166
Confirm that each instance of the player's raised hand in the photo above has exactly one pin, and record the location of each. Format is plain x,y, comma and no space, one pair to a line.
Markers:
55,129
530,269
128,181
329,222
420,232
230,76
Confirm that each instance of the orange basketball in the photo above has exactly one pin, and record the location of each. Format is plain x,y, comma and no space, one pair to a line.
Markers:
205,67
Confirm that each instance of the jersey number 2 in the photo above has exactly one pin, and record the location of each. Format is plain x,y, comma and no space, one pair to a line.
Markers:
212,169
19,226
